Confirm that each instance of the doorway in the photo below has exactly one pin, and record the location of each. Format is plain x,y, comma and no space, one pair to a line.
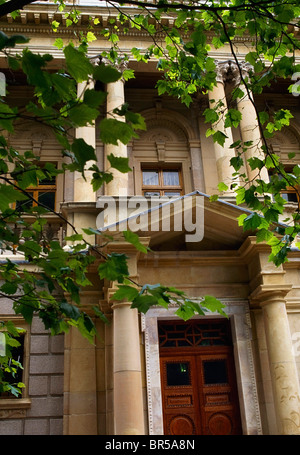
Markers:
198,380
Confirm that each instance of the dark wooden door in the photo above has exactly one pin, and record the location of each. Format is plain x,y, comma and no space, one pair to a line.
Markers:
199,391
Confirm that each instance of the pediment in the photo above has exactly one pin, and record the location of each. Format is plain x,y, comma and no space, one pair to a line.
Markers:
193,223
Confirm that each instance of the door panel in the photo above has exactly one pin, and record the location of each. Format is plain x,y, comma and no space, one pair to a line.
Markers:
198,379
199,395
180,396
218,399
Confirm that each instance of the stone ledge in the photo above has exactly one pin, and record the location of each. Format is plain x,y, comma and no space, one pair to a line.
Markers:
14,407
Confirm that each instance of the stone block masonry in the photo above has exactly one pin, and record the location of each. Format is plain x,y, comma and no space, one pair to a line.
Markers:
45,387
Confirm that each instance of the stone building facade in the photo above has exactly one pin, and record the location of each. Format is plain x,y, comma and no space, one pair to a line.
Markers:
154,374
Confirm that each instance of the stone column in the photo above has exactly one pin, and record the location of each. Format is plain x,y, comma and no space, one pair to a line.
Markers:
127,368
249,126
83,190
115,99
285,381
225,153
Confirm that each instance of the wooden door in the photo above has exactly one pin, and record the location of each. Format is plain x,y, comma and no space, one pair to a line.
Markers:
199,390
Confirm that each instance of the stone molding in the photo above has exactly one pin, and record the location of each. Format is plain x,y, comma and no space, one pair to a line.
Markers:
239,313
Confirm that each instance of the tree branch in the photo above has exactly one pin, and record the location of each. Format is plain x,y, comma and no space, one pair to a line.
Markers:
13,5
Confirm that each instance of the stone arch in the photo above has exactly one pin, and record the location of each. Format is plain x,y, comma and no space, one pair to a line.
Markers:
167,140
285,142
178,126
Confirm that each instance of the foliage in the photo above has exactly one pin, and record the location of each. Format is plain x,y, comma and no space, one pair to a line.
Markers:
183,57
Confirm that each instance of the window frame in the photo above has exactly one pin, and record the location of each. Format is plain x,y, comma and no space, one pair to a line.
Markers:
11,406
40,188
161,188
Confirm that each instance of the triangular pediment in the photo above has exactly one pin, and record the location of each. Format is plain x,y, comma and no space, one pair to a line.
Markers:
192,222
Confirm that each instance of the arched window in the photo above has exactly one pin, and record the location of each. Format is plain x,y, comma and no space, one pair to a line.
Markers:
160,159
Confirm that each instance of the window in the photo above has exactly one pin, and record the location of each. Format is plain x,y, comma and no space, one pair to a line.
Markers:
289,194
17,355
43,193
162,181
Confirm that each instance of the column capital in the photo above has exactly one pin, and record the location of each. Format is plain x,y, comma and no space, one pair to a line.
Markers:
241,71
222,69
266,294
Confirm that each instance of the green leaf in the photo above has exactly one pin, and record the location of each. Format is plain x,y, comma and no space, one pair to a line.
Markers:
252,221
9,195
232,118
213,304
263,235
9,288
211,116
185,312
83,152
119,163
222,186
125,292
100,315
112,131
82,115
114,268
71,311
94,98
78,64
236,162
144,302
106,73
134,239
219,137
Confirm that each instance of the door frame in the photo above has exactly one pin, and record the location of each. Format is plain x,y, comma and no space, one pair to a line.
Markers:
197,387
239,316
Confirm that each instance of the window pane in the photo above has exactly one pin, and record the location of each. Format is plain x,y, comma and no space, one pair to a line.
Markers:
151,193
24,205
47,181
215,372
290,197
178,374
47,199
18,355
171,178
172,193
150,177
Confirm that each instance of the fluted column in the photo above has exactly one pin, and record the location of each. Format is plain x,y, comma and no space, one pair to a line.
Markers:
284,377
223,153
115,99
83,190
249,126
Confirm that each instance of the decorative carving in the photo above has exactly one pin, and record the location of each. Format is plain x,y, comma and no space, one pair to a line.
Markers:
220,424
222,69
161,150
181,424
229,71
162,131
240,315
12,413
